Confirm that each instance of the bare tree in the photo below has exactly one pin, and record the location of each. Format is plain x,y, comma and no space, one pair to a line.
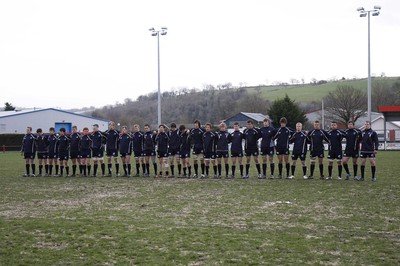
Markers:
346,103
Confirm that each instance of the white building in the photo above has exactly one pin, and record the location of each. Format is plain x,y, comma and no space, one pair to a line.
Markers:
17,121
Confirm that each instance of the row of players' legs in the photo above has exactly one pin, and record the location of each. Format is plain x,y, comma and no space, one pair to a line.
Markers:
167,164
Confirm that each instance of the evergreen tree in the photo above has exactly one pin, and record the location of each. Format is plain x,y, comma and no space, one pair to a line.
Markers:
8,107
286,108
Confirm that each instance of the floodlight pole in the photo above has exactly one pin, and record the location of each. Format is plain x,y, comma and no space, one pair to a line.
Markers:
363,13
157,33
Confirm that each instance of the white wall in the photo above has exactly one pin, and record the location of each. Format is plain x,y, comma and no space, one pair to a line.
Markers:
45,119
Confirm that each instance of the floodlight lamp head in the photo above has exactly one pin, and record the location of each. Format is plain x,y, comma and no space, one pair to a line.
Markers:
376,13
377,7
151,29
154,33
363,14
360,9
163,33
164,28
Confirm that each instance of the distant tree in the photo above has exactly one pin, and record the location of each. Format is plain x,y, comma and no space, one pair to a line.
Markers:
346,103
8,107
384,94
286,108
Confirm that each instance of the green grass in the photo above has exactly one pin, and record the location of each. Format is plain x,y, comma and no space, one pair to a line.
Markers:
308,93
58,221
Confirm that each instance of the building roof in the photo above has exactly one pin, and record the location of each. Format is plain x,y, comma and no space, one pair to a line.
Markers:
28,111
389,109
258,117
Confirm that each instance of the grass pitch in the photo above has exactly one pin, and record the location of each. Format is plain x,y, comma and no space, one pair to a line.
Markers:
107,221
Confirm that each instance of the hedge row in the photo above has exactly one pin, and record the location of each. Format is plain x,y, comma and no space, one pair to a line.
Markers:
12,141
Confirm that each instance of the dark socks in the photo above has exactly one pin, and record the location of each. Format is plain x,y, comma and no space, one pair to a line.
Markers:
280,167
346,168
287,169
264,169
293,169
330,167
355,168
321,169
312,167
272,166
258,168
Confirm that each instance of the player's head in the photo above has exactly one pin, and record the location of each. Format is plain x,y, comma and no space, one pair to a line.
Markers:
222,127
95,127
283,121
51,131
124,129
173,126
182,128
39,131
350,125
136,128
197,124
85,130
317,125
236,126
208,127
161,128
266,122
146,128
367,125
74,129
333,125
299,127
111,125
250,124
28,130
62,131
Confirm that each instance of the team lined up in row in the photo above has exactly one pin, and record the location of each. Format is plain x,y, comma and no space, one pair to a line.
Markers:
176,146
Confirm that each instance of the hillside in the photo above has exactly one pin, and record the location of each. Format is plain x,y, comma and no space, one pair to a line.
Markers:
310,92
214,104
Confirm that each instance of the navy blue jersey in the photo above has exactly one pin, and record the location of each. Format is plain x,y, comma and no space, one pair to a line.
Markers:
282,136
300,142
317,138
125,143
223,138
174,139
85,143
63,144
137,141
74,144
353,139
369,141
112,139
267,133
148,141
209,142
28,143
237,140
162,140
335,137
98,140
53,143
251,137
42,143
185,142
196,135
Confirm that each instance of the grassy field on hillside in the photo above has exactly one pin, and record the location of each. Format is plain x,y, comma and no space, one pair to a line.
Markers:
108,221
308,93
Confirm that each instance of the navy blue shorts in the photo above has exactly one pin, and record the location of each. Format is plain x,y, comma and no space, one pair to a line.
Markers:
42,155
282,151
317,154
172,152
97,153
351,154
367,155
297,155
112,152
162,154
63,156
332,155
267,151
251,152
52,155
29,155
209,155
222,154
197,150
184,154
149,153
85,154
123,154
138,153
236,154
74,155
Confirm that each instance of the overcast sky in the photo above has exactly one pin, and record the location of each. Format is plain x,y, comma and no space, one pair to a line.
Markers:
74,54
